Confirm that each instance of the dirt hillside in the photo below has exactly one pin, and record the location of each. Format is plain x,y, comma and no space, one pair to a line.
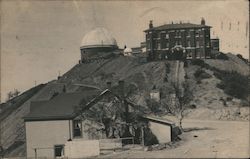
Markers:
210,101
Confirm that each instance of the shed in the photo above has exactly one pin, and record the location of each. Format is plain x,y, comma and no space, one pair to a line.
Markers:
165,130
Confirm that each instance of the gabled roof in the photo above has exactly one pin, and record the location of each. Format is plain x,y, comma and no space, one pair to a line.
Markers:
178,26
61,107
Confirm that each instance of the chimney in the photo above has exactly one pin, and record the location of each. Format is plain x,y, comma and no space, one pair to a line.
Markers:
203,21
109,85
150,24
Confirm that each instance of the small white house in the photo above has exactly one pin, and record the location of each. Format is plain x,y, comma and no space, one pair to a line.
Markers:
52,125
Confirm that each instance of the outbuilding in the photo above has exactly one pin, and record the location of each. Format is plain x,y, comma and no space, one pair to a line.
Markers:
50,125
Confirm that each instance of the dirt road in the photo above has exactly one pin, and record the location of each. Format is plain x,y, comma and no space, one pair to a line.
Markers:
210,139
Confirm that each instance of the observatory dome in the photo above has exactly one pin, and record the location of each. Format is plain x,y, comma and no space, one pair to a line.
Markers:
99,37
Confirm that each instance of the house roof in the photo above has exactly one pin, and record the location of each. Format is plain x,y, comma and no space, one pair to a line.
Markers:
178,26
159,120
60,107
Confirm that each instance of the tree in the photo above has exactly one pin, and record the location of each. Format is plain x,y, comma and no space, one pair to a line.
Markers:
12,94
114,115
183,97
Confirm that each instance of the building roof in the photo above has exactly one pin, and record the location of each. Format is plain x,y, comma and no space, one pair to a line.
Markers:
159,120
99,37
178,26
61,107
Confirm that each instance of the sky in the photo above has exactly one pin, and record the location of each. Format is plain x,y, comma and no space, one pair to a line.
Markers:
41,39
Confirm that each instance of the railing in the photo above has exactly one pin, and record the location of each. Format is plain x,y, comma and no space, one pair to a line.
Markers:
114,144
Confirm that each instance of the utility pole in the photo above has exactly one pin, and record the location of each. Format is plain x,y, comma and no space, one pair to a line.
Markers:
35,153
142,136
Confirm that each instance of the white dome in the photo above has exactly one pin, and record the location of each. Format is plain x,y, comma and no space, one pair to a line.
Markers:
97,38
127,50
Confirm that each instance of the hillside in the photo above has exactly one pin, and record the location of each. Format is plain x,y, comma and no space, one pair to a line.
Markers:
209,101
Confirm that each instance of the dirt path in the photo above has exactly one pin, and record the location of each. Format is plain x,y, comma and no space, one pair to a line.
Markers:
209,139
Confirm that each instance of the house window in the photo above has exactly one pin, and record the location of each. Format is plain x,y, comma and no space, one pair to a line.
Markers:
197,44
167,45
59,151
158,46
188,33
177,33
196,33
208,45
167,36
188,43
77,128
159,35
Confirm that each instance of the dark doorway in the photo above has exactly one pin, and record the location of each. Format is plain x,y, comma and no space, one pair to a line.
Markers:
59,151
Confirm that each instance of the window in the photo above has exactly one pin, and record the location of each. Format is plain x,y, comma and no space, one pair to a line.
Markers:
196,33
188,33
77,128
208,45
167,36
188,43
59,151
197,44
189,54
159,35
177,33
167,44
148,45
158,46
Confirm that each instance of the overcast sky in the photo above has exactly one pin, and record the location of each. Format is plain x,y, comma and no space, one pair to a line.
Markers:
41,38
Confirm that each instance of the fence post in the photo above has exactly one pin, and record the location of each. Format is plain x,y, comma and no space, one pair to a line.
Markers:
35,153
133,141
142,137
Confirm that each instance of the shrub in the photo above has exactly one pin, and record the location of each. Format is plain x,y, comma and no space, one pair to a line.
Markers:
167,66
192,106
166,79
198,62
185,63
244,103
153,105
242,58
201,74
223,101
222,56
198,81
229,99
233,84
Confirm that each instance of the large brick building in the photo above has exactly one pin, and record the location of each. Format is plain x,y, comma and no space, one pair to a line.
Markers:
185,40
